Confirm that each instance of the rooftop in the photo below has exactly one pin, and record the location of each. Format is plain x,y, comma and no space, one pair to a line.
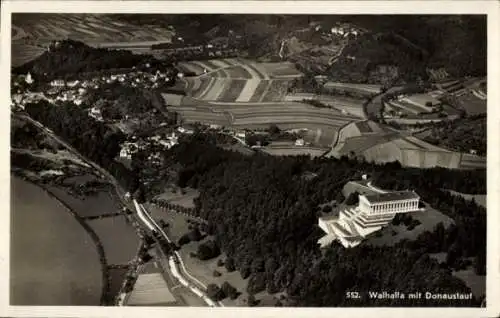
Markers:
391,196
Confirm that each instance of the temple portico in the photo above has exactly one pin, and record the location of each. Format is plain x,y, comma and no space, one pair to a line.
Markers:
373,212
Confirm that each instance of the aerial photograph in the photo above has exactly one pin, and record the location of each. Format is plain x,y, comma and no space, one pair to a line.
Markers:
248,160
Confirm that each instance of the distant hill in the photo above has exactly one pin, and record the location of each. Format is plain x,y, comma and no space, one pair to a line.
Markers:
414,43
68,58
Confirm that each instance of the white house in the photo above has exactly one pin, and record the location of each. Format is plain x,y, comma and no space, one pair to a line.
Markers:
95,113
125,154
241,135
28,79
183,130
299,142
57,83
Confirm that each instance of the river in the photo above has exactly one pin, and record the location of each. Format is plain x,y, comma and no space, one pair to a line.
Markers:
53,260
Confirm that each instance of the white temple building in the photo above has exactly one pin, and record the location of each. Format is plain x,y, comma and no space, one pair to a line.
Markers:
373,212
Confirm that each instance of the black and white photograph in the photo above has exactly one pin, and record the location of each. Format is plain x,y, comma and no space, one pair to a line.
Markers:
170,159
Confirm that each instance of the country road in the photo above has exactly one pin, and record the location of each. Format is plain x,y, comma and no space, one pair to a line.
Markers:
121,195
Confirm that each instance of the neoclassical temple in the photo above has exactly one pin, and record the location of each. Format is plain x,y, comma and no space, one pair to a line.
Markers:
373,212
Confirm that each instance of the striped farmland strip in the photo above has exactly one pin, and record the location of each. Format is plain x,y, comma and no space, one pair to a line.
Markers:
250,67
238,72
219,63
206,88
232,90
216,89
248,90
260,90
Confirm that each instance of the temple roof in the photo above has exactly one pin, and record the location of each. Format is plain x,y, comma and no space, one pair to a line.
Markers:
391,196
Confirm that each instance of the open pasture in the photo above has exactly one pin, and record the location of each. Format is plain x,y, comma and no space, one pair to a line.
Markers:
90,28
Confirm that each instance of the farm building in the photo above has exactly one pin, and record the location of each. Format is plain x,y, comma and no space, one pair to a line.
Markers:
373,212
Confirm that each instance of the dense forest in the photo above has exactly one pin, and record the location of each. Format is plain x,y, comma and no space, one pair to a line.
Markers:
69,58
263,213
456,42
461,135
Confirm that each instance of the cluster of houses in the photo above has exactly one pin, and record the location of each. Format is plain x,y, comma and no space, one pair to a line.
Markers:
339,30
134,79
129,148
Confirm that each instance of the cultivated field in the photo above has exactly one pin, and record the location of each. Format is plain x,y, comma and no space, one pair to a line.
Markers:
238,80
53,259
23,53
89,28
365,89
347,105
150,289
322,123
368,140
411,155
119,238
34,31
289,149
